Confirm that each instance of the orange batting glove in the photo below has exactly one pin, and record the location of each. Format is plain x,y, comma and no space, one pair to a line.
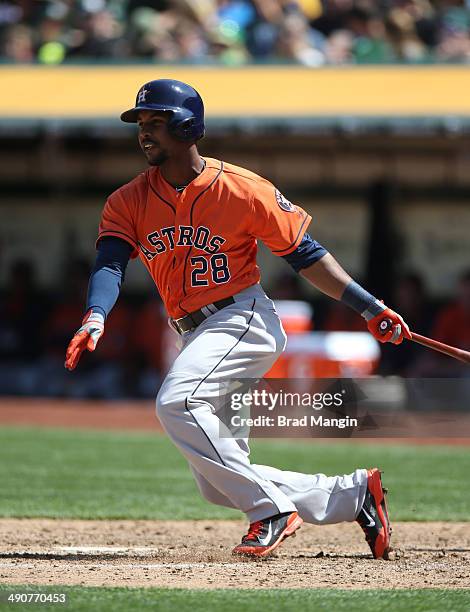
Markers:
85,338
388,326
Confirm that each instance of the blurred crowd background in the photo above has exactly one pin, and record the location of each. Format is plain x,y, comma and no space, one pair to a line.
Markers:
36,326
233,32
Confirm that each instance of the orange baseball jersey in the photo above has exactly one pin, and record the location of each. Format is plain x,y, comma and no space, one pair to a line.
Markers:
200,244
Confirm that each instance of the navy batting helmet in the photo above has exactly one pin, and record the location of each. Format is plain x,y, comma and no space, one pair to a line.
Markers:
184,103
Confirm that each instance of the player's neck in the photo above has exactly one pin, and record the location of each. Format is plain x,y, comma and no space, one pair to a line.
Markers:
182,170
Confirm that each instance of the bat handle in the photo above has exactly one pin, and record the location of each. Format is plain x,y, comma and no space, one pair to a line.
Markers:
460,354
451,351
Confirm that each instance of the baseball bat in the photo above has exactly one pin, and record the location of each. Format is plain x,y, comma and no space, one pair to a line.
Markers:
451,351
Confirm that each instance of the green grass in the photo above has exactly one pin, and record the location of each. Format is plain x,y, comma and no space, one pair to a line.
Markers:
99,474
426,483
123,599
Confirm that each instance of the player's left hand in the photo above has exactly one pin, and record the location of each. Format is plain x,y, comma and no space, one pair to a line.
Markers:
85,338
388,326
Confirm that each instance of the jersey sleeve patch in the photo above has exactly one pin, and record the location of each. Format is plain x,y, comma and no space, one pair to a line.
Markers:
283,202
275,220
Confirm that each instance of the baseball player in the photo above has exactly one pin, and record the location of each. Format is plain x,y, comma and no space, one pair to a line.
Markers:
194,222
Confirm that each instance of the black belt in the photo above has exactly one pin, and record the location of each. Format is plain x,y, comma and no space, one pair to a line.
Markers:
193,319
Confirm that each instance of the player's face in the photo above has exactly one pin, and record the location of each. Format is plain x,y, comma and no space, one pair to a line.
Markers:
154,139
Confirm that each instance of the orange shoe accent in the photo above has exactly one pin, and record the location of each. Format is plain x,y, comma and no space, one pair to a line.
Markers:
382,543
293,523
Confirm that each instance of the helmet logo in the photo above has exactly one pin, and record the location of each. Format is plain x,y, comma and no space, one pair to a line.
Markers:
141,95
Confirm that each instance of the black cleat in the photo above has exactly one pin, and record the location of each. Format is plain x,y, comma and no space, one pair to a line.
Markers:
373,516
266,535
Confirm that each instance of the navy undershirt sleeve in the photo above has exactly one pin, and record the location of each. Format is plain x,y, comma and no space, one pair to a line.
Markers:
108,274
308,252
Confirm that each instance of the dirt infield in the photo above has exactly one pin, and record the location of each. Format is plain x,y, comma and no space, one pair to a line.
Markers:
196,554
79,414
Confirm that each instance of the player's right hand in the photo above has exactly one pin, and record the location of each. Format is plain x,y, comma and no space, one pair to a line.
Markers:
85,338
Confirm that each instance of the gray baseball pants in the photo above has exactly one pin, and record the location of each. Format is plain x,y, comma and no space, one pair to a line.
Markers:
242,340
